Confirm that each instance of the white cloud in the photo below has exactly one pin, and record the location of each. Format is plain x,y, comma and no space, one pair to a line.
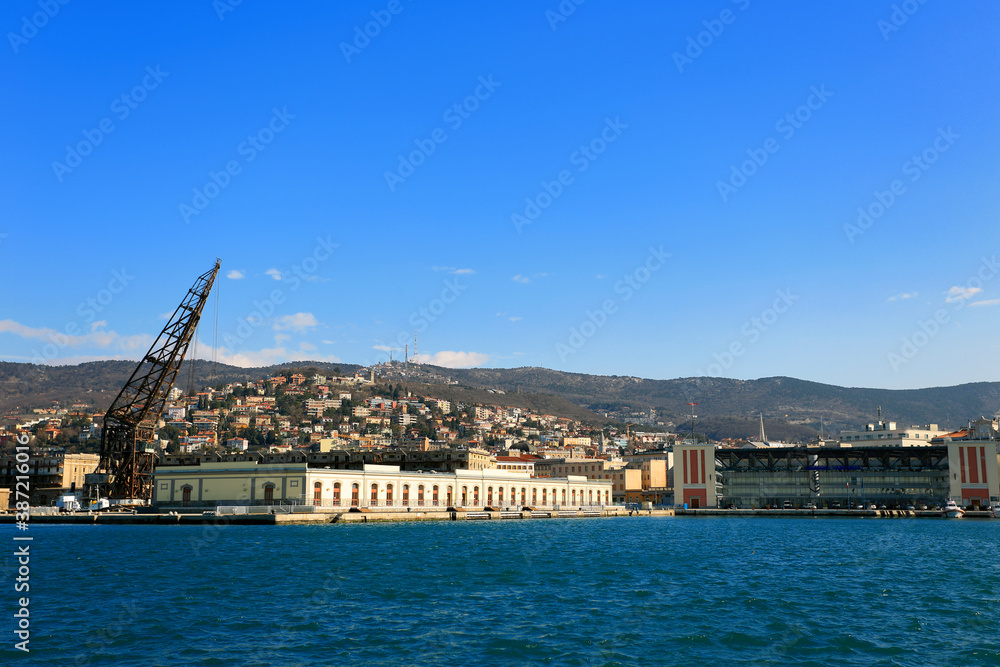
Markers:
281,338
270,356
515,319
98,337
450,359
454,271
274,273
957,293
904,295
521,279
298,322
328,342
236,274
600,276
383,348
988,302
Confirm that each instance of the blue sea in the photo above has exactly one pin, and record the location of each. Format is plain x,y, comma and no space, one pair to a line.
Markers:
650,590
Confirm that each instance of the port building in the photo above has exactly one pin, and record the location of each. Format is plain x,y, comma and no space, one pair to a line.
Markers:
838,477
240,479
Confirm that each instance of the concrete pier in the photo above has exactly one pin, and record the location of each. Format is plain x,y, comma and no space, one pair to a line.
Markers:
324,516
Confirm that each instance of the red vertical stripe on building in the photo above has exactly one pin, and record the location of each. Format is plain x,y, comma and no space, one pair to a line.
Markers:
973,465
694,467
982,457
961,462
686,466
703,466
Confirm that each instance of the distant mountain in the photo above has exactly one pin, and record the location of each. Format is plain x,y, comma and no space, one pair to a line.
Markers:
785,402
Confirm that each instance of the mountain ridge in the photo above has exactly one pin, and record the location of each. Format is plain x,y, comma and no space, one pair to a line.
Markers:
813,404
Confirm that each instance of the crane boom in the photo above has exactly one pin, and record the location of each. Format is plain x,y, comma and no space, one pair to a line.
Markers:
125,470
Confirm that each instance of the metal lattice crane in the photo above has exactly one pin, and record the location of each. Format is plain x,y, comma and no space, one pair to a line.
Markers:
125,471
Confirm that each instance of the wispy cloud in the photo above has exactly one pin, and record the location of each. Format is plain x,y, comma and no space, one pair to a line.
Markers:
298,322
236,274
270,356
274,273
957,293
515,319
904,295
454,271
98,337
521,279
988,302
450,359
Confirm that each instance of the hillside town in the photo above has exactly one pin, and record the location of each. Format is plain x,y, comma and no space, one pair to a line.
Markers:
352,421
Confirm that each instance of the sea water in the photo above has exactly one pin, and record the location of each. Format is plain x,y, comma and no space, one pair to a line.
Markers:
651,590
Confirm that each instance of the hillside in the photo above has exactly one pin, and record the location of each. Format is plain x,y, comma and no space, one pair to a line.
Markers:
783,401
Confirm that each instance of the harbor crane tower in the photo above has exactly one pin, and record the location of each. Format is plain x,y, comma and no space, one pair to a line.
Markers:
125,471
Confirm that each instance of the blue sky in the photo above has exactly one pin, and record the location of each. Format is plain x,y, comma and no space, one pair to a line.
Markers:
624,188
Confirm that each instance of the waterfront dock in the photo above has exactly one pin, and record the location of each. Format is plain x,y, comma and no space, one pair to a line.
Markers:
281,517
883,514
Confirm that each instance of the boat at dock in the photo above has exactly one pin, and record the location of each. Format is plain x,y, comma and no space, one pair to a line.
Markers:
952,510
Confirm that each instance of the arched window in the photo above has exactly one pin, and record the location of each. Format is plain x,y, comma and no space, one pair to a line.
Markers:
475,496
513,496
606,499
449,497
465,496
545,496
534,496
318,493
336,493
564,496
554,497
574,496
590,497
354,495
406,495
269,493
388,494
420,494
524,496
489,495
185,495
500,495
374,499
434,495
